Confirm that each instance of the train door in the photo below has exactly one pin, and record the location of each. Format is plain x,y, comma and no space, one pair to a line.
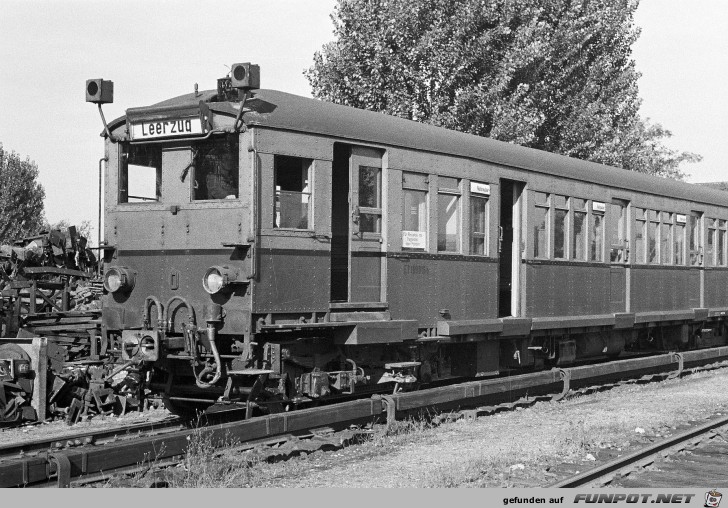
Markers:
357,259
696,233
618,255
510,248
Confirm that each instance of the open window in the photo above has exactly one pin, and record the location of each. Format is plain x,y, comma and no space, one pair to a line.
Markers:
140,175
292,192
448,214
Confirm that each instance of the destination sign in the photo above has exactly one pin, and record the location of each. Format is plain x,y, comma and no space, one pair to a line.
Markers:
166,128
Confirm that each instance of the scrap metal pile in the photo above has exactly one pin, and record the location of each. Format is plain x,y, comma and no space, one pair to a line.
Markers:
54,361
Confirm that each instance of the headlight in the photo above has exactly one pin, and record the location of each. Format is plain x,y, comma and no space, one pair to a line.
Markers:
118,278
218,278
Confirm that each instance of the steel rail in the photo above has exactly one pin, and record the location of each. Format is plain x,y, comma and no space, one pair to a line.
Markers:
632,459
97,437
72,439
62,466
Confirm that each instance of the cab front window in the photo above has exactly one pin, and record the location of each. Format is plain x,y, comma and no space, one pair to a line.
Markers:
140,179
216,168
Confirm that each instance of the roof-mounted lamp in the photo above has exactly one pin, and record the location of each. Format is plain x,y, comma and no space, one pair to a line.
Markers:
101,91
245,77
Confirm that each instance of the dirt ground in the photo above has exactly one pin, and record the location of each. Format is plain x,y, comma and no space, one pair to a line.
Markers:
523,448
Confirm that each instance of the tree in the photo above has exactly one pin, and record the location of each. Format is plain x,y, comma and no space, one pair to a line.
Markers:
549,74
21,197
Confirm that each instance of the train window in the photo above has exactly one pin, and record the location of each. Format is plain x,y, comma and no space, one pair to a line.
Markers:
679,243
710,244
578,239
479,193
596,226
414,213
640,236
617,231
666,239
140,178
696,239
216,168
561,222
721,243
652,245
448,226
448,214
541,225
292,192
370,199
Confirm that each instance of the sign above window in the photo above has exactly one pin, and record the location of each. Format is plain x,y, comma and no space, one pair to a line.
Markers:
598,207
680,219
170,127
480,188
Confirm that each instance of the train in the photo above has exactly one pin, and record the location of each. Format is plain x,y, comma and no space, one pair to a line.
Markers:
273,251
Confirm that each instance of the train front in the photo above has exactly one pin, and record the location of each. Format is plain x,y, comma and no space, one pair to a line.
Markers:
177,238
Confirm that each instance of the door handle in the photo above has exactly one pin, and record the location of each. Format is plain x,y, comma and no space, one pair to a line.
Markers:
500,239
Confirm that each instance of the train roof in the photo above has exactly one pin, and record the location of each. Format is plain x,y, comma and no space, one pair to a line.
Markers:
280,110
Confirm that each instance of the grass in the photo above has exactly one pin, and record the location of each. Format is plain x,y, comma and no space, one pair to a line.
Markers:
204,466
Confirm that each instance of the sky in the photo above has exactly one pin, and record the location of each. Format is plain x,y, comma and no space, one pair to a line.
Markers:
154,49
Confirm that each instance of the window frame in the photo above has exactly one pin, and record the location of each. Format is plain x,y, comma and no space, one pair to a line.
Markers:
457,193
310,193
594,246
474,195
679,231
540,207
711,233
376,211
567,226
585,228
122,194
416,187
193,170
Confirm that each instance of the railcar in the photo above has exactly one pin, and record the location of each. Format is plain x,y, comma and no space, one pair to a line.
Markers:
279,251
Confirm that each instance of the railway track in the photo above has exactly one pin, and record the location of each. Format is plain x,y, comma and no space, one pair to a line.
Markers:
678,452
69,440
99,457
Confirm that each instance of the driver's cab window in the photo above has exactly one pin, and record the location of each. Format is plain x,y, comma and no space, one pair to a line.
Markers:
216,166
140,178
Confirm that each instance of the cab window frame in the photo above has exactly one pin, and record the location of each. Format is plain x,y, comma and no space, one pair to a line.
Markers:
280,163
